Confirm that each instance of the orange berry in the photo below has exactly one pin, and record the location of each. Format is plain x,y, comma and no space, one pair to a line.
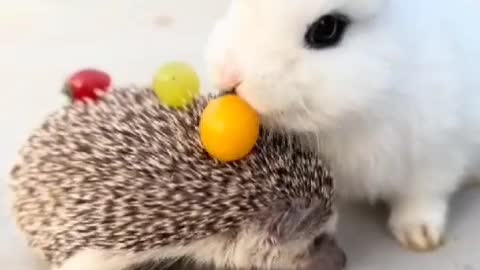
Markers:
229,128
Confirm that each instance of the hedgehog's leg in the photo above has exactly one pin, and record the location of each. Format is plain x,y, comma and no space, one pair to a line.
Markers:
97,260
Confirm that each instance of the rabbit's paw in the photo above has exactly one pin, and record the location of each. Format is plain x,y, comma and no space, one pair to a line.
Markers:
419,225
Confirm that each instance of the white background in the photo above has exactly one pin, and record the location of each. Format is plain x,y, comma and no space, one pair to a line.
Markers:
42,41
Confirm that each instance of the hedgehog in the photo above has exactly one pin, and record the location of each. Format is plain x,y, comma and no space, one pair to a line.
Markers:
124,181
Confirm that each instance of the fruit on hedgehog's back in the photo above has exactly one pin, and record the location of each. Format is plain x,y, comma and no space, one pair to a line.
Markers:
176,84
229,128
87,84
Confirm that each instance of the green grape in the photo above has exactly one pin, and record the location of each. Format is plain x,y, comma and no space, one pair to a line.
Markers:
176,84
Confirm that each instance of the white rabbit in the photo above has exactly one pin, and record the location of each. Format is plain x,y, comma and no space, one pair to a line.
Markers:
390,89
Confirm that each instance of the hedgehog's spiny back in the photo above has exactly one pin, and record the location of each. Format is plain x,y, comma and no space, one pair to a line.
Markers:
128,173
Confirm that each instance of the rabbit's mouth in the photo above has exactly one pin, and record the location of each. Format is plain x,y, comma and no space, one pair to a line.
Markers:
293,117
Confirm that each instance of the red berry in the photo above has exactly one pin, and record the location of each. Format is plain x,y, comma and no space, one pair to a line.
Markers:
85,83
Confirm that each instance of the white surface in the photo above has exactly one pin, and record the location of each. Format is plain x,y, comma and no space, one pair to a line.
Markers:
42,41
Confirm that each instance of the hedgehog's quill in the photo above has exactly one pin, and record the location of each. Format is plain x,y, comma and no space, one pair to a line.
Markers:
111,185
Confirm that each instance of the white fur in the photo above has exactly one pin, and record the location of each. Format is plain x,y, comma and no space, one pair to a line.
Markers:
250,248
395,107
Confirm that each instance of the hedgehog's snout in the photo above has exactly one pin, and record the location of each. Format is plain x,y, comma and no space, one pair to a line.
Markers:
326,254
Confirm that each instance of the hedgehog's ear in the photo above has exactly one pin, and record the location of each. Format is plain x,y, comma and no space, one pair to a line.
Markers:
295,221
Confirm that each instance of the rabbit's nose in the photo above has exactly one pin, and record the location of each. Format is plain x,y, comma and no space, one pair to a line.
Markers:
229,79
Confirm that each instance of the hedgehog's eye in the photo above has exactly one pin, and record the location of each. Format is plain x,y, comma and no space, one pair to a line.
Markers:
327,31
319,240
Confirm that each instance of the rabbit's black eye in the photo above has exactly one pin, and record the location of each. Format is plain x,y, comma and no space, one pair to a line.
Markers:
326,31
